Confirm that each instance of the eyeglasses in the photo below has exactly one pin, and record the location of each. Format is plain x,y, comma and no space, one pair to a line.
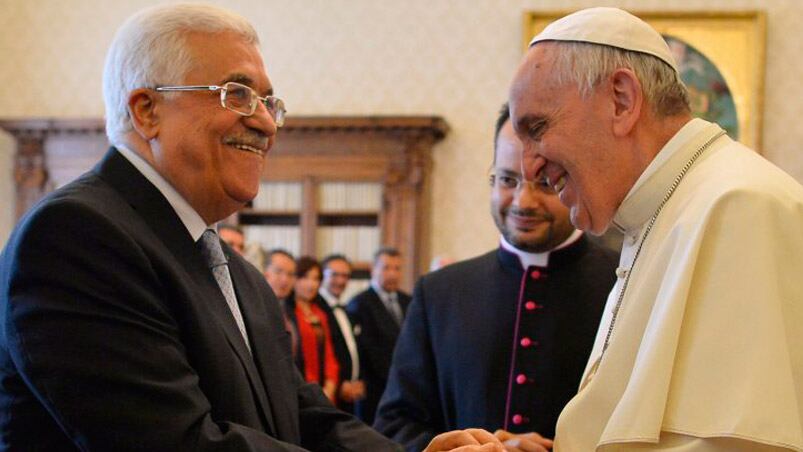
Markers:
239,99
508,182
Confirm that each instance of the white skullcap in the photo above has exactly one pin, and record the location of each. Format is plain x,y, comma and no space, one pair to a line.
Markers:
611,27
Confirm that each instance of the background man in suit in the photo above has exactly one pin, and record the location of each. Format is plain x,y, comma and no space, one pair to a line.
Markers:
377,314
233,236
500,341
336,275
280,272
126,324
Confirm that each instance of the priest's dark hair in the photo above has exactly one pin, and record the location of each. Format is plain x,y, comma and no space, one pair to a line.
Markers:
504,116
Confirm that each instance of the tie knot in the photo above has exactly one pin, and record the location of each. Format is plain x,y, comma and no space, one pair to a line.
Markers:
211,249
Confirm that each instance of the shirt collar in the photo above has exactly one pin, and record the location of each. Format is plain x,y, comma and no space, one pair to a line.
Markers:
538,259
385,296
647,193
189,217
331,300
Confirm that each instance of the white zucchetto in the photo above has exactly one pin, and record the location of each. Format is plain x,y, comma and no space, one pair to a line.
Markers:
611,27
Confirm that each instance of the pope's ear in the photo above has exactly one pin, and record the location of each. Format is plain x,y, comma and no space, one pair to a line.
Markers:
143,108
628,100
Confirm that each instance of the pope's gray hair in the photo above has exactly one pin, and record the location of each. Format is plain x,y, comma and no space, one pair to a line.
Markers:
587,64
150,49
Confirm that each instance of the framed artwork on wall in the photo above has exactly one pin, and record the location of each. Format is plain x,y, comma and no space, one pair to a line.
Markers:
721,59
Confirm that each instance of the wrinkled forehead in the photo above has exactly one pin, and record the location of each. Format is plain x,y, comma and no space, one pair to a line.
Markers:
536,71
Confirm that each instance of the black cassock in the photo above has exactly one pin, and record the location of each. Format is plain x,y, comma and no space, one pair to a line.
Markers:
489,344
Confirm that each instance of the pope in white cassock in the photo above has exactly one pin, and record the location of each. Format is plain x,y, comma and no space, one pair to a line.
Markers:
701,344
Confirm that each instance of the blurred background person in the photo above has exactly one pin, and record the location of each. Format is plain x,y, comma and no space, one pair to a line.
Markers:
377,314
280,272
315,337
233,236
440,261
336,275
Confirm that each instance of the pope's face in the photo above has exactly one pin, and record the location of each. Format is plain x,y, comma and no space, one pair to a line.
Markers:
214,157
567,140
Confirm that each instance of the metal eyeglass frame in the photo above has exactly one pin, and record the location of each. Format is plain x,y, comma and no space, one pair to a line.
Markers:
273,104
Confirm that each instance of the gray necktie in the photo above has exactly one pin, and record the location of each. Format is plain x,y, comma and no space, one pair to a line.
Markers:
216,260
395,307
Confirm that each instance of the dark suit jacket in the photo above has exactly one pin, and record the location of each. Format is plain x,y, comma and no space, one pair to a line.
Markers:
375,342
115,336
452,368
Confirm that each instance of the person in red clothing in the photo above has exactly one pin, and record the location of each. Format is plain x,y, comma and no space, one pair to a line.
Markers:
320,364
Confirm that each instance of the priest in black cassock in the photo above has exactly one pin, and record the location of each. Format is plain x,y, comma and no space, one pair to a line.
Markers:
500,341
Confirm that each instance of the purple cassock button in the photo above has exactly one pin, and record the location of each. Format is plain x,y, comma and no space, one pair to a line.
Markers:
535,274
519,419
521,379
526,342
530,305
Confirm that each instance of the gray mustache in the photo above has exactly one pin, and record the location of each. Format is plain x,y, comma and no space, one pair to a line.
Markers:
257,140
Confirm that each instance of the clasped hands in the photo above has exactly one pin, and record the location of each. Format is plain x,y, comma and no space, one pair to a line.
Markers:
478,440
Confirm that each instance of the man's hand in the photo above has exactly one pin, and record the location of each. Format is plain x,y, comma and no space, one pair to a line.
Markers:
351,391
524,442
470,440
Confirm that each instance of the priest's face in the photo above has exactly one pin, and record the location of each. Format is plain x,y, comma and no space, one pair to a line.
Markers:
567,139
529,215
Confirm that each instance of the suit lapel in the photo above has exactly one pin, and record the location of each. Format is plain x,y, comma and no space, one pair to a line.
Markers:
383,316
157,212
263,345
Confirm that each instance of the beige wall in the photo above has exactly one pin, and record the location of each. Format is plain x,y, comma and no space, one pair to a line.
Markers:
452,58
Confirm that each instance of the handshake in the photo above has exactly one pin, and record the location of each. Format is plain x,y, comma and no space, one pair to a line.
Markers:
478,440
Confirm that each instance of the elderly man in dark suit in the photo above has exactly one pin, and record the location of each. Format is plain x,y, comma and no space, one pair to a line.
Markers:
500,341
127,325
377,314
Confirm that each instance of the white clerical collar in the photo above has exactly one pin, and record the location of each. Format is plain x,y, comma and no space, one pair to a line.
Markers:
538,259
641,201
189,217
331,300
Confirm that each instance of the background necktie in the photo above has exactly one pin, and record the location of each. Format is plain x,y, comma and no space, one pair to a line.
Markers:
395,307
216,260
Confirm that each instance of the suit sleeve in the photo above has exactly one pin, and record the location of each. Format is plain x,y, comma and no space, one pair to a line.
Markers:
410,411
85,325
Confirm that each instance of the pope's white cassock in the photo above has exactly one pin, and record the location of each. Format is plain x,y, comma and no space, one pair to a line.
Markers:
706,352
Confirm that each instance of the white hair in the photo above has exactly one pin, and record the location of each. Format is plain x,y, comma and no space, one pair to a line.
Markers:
150,49
587,64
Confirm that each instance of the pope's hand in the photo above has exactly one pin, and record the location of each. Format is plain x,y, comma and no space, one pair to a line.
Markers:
469,440
523,442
